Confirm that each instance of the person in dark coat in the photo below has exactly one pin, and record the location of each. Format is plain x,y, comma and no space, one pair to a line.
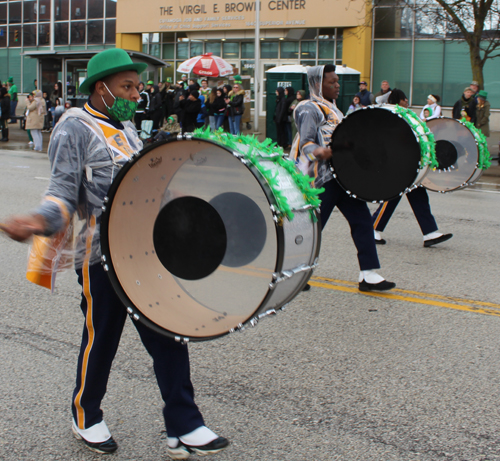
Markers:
219,109
281,117
191,107
5,113
226,89
290,98
155,106
465,107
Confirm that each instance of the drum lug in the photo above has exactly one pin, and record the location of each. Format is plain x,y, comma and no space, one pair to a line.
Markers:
106,199
103,208
103,258
130,310
182,340
106,268
180,137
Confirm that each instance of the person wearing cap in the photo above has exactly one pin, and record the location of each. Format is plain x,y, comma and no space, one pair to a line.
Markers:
465,107
483,113
235,104
149,85
13,97
366,98
142,107
432,106
87,149
184,81
474,86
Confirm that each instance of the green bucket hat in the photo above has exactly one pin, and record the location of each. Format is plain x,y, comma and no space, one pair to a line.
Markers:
109,62
483,94
10,80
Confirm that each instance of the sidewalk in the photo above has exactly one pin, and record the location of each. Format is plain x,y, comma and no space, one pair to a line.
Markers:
18,140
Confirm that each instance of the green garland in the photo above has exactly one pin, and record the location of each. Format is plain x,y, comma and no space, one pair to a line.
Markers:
424,134
254,151
484,161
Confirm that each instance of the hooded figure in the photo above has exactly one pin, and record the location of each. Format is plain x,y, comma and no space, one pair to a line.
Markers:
155,109
281,117
4,113
316,120
323,119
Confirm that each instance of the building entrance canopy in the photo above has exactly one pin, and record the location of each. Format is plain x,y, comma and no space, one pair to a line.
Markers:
71,67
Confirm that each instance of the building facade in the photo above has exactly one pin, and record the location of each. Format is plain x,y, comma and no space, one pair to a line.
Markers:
401,47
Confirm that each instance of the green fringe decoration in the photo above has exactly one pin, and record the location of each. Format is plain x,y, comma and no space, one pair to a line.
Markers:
251,149
424,134
484,161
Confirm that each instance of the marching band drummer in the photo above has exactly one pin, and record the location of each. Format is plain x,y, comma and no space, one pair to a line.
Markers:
316,119
101,134
418,198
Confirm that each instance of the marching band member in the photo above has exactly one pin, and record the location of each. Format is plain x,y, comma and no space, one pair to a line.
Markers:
102,136
316,119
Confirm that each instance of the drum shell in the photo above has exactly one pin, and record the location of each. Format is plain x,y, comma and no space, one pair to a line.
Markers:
289,254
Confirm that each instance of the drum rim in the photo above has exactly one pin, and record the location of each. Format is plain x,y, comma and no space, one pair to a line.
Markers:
108,265
466,183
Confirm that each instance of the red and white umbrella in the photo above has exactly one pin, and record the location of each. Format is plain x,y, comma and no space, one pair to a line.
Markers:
206,65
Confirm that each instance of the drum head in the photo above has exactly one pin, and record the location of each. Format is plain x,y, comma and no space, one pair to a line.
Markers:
189,239
376,155
456,153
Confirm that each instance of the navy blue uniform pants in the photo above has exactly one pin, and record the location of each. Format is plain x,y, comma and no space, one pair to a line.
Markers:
419,201
359,218
104,320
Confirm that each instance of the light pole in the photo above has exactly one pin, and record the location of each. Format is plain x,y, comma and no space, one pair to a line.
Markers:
256,78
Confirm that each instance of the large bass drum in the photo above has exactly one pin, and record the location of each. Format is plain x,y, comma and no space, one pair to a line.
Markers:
202,237
461,152
381,152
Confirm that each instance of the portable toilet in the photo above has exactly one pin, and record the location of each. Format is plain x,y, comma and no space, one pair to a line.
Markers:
284,76
349,86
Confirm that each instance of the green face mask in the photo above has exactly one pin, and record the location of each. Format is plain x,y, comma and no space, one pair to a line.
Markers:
122,109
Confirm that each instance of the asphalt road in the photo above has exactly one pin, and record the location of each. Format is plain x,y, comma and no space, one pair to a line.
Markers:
340,375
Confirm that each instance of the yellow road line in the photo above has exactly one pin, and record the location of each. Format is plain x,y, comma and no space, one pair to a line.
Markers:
468,305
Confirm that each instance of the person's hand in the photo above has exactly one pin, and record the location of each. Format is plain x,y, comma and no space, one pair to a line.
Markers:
322,153
227,100
181,97
21,228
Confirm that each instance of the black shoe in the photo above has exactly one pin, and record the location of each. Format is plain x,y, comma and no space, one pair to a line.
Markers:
182,450
106,447
443,238
307,287
380,286
380,242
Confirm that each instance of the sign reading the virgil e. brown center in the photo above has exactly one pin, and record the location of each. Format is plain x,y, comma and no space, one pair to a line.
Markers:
197,15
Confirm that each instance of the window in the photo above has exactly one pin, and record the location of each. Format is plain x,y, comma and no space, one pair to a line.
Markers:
61,33
110,31
15,35
62,10
248,50
94,32
168,51
96,9
196,48
43,34
14,12
326,49
3,36
427,70
29,11
111,8
29,35
393,22
78,33
308,50
78,9
289,50
339,52
44,10
3,13
154,50
213,47
182,50
269,50
230,50
393,63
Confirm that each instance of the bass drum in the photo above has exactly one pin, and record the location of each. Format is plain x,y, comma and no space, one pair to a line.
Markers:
381,152
200,238
459,151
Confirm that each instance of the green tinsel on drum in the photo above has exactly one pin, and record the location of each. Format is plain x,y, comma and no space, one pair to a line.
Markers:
425,136
484,161
255,152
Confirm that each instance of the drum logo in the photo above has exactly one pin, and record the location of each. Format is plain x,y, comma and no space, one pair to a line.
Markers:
154,162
